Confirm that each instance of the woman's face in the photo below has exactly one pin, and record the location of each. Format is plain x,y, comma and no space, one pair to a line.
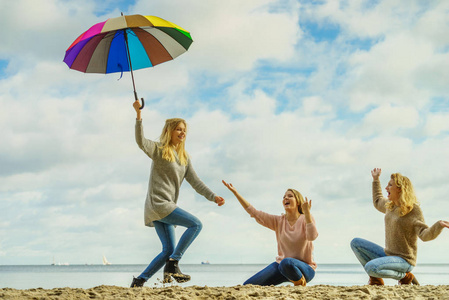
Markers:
289,201
179,134
393,191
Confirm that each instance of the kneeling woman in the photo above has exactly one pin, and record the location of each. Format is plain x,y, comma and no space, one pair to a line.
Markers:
404,223
295,231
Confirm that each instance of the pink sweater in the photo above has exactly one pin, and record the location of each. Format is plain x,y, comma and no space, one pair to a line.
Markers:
293,241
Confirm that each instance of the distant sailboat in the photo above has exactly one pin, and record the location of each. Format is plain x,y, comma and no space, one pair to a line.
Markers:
59,263
105,261
205,262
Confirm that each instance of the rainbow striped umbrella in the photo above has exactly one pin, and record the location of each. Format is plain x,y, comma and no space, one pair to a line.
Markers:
127,43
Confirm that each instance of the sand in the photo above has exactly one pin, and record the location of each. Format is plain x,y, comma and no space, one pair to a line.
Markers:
235,292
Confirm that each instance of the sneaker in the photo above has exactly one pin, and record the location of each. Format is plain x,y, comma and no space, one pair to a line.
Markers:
137,282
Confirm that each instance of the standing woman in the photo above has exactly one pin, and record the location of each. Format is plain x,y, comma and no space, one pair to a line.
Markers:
295,231
171,165
404,223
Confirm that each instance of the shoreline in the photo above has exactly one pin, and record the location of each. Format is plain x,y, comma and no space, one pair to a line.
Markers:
235,292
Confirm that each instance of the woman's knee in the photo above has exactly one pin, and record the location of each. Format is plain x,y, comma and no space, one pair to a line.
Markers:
288,267
371,268
355,243
197,225
294,269
286,264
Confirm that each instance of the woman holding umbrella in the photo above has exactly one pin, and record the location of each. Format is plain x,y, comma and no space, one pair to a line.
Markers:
404,223
171,165
295,231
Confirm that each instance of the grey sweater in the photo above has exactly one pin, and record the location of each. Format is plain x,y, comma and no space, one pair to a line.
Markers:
401,233
165,180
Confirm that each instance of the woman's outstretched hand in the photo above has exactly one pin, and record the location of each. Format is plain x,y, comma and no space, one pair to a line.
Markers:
219,200
376,173
444,224
239,197
229,186
136,106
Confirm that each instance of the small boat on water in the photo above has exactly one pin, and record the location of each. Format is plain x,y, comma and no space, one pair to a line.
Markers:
205,262
105,261
59,263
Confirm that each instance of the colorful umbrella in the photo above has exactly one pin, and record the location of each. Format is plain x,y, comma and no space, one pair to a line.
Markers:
127,43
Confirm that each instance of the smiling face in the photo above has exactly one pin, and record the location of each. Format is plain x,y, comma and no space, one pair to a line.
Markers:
179,134
289,201
393,191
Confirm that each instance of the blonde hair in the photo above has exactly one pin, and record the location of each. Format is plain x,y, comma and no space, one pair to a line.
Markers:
407,197
299,199
167,146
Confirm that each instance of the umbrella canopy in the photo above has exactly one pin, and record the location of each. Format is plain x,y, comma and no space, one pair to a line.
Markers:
103,48
125,43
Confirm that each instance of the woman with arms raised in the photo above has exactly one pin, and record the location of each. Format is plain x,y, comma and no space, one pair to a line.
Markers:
404,223
170,166
295,231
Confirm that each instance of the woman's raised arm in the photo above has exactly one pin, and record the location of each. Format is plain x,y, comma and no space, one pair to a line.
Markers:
137,106
239,197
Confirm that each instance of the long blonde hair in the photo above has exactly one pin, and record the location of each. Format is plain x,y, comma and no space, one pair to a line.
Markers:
167,146
407,197
299,199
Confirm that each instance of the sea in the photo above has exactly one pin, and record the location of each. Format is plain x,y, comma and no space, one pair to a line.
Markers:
212,275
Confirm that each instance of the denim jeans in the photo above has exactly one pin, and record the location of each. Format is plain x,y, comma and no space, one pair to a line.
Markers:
289,269
165,229
377,263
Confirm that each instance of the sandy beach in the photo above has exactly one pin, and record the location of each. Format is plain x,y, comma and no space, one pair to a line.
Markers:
235,292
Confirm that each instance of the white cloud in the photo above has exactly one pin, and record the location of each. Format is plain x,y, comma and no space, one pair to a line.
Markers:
386,73
315,104
363,19
388,119
437,123
233,35
261,104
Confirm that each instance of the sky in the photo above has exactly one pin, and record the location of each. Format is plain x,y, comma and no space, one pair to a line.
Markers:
310,95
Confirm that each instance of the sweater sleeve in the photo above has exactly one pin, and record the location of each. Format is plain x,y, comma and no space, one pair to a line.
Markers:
196,183
311,231
425,232
148,146
264,219
378,199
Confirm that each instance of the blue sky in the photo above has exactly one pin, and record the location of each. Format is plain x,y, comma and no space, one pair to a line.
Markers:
308,95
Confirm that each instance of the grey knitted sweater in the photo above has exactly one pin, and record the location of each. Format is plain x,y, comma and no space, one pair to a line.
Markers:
165,180
401,233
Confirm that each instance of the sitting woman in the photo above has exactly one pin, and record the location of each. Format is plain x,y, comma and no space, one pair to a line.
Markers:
295,231
404,223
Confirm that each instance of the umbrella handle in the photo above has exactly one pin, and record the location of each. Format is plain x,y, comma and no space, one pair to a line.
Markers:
137,99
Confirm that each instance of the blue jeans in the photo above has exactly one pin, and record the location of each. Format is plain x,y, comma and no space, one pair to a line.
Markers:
289,269
377,263
165,229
